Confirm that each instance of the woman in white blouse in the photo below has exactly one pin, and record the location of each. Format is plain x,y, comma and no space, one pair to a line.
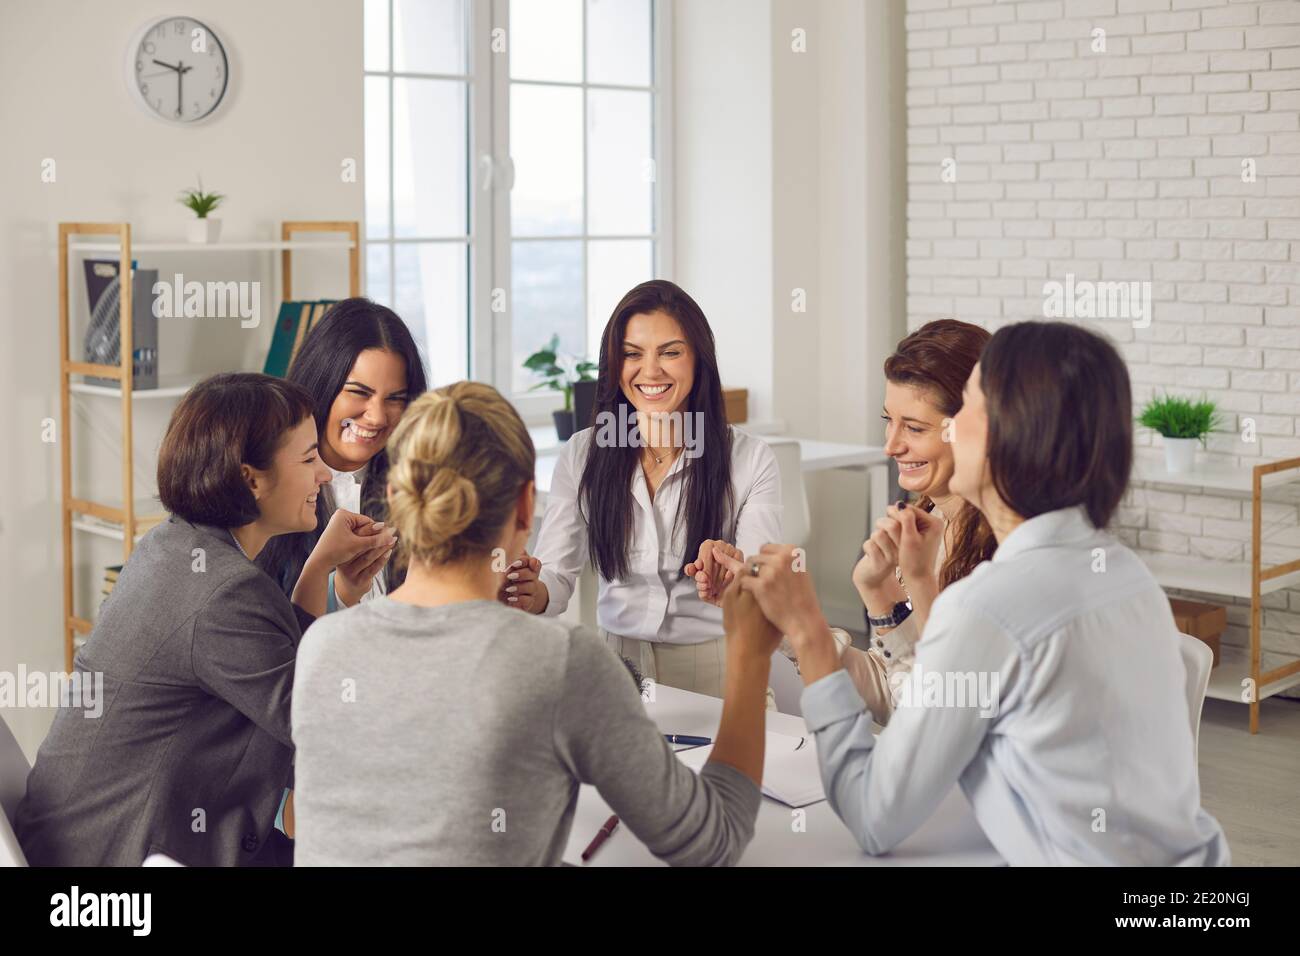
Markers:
916,550
362,369
649,491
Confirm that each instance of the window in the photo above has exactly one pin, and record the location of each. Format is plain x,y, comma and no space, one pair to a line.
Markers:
513,160
419,243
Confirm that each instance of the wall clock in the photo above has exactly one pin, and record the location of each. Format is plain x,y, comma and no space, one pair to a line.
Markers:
177,70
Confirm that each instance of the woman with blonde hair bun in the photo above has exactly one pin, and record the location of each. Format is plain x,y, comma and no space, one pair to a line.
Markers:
435,725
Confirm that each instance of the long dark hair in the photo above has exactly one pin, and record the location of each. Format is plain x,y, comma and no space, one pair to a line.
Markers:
605,492
349,328
939,357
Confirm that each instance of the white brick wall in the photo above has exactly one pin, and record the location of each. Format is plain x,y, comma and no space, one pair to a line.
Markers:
1127,164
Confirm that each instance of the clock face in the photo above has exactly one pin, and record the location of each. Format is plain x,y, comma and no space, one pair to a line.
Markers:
177,69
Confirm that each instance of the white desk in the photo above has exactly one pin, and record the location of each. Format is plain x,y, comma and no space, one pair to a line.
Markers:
951,837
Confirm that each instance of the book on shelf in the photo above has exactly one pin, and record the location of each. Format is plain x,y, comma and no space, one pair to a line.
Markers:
292,324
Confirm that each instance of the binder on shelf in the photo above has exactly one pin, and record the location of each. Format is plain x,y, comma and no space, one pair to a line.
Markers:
292,324
103,344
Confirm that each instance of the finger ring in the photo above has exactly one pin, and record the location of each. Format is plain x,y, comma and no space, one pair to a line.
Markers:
753,568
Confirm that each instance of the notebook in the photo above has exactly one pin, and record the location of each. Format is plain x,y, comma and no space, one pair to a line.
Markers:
791,774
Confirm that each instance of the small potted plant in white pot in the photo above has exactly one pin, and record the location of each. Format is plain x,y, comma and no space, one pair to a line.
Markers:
1183,423
203,228
559,372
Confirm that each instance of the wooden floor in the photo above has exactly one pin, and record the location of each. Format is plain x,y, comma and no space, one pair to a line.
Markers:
1252,783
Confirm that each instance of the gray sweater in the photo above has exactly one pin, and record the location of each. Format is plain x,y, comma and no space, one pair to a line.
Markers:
459,735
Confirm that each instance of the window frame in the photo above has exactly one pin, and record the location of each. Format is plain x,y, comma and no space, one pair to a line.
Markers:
490,174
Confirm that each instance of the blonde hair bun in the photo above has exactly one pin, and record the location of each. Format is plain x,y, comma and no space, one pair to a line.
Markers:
458,460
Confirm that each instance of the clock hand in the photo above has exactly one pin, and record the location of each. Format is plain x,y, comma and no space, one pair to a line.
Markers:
180,93
168,65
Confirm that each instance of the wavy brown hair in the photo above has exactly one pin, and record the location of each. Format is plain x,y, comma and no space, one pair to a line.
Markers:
938,358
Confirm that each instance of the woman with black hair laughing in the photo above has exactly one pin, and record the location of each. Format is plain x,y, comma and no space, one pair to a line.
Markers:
649,491
362,368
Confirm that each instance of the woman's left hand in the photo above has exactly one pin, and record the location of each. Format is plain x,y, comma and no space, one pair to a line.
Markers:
711,578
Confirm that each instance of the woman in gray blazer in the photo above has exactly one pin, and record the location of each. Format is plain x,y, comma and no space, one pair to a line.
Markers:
190,753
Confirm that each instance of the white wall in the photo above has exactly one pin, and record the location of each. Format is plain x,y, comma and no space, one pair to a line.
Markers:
293,114
1127,164
790,176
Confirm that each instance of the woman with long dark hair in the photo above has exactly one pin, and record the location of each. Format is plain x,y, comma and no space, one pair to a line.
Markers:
916,550
362,368
649,491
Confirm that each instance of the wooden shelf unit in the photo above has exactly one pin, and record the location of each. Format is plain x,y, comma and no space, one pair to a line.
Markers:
111,521
1245,579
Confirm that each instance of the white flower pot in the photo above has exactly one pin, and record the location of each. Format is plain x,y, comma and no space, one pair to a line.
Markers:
1180,453
204,230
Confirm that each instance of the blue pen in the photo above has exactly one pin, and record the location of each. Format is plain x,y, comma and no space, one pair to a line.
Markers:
687,739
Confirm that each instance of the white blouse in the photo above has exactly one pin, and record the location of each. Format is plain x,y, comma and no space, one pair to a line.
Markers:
654,602
344,491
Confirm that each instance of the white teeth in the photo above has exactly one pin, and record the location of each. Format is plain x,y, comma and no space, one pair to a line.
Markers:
911,465
653,389
352,432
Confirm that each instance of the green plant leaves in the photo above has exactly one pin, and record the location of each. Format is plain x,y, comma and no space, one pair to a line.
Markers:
1176,417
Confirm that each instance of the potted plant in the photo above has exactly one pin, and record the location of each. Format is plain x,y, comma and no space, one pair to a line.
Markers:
204,228
1182,422
559,372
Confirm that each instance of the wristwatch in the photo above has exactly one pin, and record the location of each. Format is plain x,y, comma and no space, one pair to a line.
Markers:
895,617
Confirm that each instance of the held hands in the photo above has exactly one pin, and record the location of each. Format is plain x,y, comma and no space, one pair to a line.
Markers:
743,621
522,588
786,596
711,577
352,579
348,536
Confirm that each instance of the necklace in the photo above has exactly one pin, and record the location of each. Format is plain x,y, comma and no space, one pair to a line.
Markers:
239,546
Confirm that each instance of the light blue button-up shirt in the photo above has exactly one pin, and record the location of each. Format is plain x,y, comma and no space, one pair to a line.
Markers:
1049,683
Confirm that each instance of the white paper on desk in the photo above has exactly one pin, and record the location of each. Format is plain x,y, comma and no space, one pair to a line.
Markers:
791,774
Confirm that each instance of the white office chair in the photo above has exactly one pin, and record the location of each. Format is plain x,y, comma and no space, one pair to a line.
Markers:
14,769
795,521
786,685
1198,659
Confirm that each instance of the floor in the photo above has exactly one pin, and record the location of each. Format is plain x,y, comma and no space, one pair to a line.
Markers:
1252,783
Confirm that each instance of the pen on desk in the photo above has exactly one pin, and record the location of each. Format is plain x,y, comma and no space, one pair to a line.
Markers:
688,739
600,838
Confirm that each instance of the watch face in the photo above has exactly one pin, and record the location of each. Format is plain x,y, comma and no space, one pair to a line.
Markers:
179,70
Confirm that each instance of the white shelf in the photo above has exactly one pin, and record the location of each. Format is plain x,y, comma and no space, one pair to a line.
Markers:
1234,667
273,245
145,508
168,387
1216,475
1209,576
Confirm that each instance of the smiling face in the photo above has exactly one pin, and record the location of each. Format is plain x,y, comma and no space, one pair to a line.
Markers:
971,478
658,363
365,411
914,438
286,493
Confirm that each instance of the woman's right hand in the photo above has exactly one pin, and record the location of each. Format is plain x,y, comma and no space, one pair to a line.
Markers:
348,534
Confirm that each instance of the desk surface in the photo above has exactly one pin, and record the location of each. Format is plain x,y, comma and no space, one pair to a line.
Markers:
949,838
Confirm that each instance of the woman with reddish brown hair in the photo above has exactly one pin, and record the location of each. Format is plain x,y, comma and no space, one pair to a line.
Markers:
918,549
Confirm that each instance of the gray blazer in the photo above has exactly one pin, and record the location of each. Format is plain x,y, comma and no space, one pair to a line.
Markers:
191,753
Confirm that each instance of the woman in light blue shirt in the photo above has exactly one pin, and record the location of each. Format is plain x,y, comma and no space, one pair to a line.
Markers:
1049,682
